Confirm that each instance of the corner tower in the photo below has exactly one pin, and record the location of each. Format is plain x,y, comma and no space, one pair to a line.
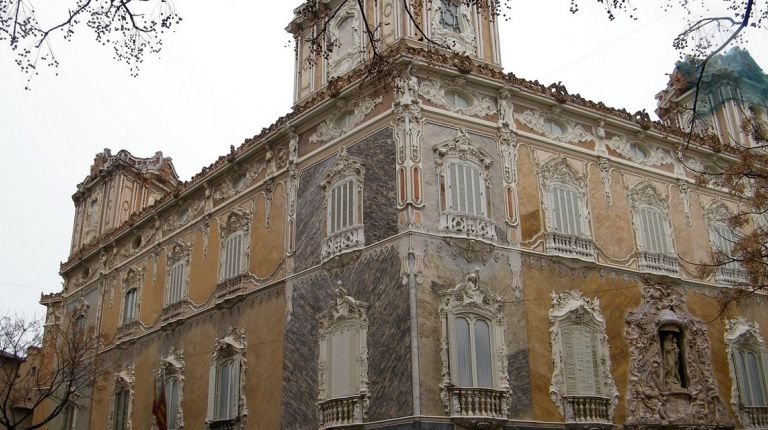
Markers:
334,36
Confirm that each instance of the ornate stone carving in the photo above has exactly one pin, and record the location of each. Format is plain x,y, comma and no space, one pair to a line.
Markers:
172,366
337,125
572,132
237,220
133,278
238,182
682,185
435,91
462,147
652,401
122,381
351,237
461,39
508,148
572,308
469,297
654,156
232,344
344,33
742,334
184,216
605,176
344,313
180,250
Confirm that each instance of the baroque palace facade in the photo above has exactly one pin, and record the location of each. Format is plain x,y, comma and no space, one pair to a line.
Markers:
453,247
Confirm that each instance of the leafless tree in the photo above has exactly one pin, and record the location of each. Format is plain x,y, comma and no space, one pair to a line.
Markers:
36,388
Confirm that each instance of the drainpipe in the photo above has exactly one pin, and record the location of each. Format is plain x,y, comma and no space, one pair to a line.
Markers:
414,333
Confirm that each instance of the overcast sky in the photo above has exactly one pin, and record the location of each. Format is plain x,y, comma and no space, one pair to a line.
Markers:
226,73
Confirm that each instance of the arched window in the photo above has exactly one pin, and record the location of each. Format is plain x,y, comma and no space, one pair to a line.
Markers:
452,26
121,416
343,188
131,287
747,357
343,361
170,377
473,352
566,210
449,16
227,378
582,385
226,399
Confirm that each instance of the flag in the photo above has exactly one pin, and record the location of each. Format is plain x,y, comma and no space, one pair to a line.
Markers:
159,407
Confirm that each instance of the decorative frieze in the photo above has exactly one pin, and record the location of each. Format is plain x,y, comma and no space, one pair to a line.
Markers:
438,92
344,32
346,120
640,153
238,182
564,129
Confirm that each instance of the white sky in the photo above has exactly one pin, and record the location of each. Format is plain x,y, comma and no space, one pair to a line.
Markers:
227,72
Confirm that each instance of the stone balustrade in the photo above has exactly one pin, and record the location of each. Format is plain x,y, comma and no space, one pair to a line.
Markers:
658,263
731,275
478,402
569,245
225,424
343,240
755,416
342,411
587,409
468,226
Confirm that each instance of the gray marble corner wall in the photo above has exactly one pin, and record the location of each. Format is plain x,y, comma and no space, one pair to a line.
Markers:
379,197
374,279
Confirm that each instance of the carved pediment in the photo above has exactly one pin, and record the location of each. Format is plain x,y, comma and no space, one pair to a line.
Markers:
344,308
132,278
469,294
346,166
173,361
180,250
559,170
232,342
646,194
718,212
238,219
462,147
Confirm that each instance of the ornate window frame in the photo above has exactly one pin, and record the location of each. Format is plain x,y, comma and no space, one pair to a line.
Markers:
172,366
345,313
230,347
437,91
469,298
351,237
570,309
123,382
341,59
179,256
464,41
237,221
742,335
462,151
332,128
572,131
555,173
717,215
644,196
132,281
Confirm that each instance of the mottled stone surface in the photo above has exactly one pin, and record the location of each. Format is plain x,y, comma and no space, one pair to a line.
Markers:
372,279
380,211
377,153
520,383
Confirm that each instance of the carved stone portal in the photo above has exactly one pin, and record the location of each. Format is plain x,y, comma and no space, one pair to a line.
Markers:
670,373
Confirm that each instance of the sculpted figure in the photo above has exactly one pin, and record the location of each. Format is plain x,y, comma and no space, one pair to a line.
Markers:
671,357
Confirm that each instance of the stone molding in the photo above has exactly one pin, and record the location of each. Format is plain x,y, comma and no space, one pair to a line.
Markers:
558,171
331,129
652,401
341,58
122,381
232,344
654,156
343,313
462,42
238,220
741,333
572,132
352,237
435,90
572,308
469,297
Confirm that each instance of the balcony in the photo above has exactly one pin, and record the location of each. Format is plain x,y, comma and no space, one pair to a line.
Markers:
343,240
342,412
478,405
128,329
569,245
174,310
658,263
728,275
469,226
233,286
754,417
225,424
587,409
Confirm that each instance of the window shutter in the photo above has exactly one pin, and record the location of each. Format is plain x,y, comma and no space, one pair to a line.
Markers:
569,357
338,209
354,361
477,193
453,188
172,402
597,381
463,351
234,393
331,223
340,363
483,354
351,203
212,388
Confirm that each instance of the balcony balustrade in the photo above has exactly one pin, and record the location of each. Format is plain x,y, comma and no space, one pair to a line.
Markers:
569,245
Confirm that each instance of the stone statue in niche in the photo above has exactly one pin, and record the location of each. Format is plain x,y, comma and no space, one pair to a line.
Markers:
671,353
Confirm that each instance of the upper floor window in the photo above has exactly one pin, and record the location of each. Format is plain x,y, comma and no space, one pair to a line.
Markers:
343,188
747,358
130,306
553,127
656,252
235,247
464,175
452,26
582,386
563,194
131,288
473,352
343,356
457,100
449,15
344,33
177,278
175,287
723,239
225,390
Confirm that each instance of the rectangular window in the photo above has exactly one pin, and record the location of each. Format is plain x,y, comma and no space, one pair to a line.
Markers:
341,206
120,417
566,211
724,239
233,251
129,307
466,189
473,352
344,363
654,231
172,403
750,378
225,390
582,365
175,287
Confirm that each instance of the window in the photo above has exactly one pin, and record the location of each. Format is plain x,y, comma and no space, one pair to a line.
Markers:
80,323
457,100
172,402
225,392
345,120
473,352
68,419
121,415
343,355
233,248
653,228
343,188
582,386
449,16
747,358
566,210
637,152
553,128
653,233
130,306
176,281
452,25
466,189
723,240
